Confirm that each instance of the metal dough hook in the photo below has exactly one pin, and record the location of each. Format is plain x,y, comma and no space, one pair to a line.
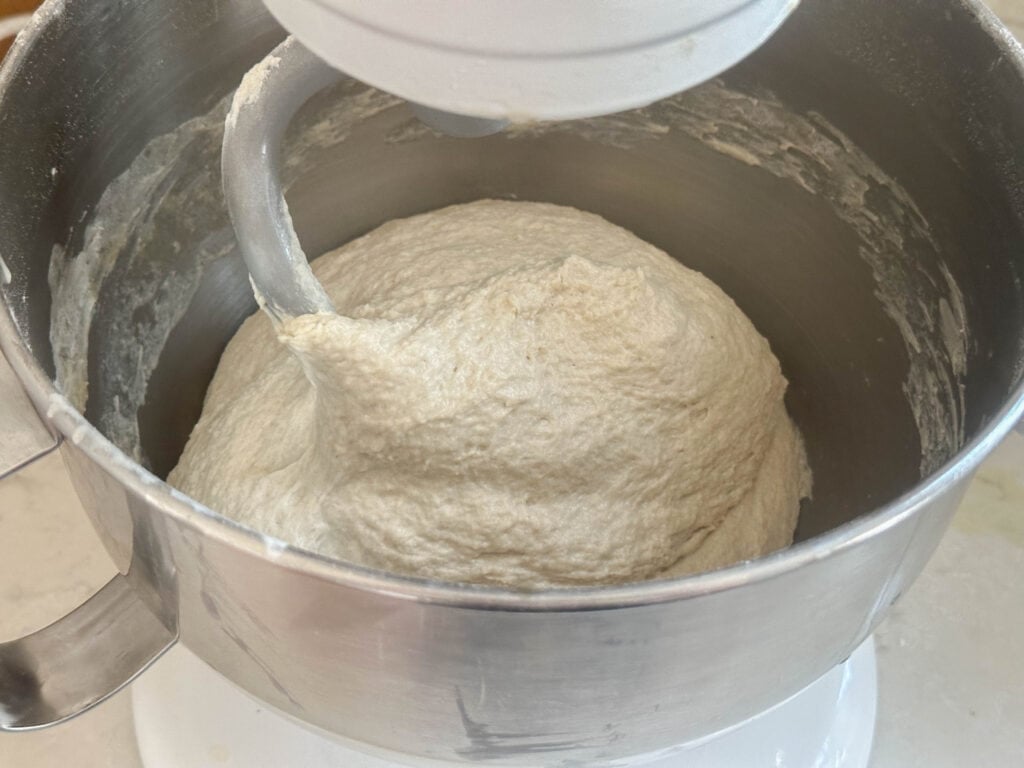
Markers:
263,106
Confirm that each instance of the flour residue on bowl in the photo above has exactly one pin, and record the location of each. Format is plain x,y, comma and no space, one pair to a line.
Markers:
124,229
155,230
178,176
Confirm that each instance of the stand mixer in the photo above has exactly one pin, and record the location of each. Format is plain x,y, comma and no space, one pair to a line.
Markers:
118,214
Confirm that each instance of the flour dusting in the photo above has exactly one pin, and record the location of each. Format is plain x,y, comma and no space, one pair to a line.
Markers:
128,237
177,177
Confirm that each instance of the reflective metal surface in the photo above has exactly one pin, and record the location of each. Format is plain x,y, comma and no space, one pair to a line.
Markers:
80,660
567,676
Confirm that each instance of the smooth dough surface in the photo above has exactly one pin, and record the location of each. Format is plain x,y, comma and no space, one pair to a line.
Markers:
511,393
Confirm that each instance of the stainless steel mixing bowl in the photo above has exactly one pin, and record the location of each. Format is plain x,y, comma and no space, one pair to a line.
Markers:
932,91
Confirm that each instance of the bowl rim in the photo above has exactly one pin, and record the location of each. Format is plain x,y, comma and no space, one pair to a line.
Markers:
69,424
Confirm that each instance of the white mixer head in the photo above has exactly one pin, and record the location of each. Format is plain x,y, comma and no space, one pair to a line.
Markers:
521,60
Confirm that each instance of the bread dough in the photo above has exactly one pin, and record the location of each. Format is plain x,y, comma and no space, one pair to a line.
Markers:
511,393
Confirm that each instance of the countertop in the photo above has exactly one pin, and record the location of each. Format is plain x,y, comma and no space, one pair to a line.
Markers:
951,666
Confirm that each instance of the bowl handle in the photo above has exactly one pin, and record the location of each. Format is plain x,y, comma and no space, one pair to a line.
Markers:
81,659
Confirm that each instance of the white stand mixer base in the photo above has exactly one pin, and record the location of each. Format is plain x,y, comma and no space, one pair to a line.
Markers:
188,716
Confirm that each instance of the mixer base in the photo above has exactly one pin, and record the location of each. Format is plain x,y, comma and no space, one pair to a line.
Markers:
188,716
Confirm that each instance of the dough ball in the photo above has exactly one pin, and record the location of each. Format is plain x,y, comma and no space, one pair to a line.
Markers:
511,393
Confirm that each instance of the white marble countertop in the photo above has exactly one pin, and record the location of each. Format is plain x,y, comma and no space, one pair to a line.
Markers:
951,659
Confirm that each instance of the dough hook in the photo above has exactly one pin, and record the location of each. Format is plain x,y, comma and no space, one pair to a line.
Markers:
263,106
